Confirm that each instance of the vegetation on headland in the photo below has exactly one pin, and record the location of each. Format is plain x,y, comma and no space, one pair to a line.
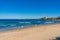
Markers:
46,18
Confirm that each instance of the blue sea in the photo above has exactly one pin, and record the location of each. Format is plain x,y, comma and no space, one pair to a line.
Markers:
8,24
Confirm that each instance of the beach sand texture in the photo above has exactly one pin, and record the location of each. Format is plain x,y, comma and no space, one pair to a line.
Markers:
46,32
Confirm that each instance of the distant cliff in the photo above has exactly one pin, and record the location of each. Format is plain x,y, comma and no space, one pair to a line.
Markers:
44,18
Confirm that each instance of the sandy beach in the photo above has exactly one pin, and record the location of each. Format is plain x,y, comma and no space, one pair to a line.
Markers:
45,32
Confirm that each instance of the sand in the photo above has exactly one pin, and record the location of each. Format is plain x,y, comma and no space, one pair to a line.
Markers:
45,32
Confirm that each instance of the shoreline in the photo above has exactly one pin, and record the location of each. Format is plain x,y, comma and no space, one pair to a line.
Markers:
44,32
28,27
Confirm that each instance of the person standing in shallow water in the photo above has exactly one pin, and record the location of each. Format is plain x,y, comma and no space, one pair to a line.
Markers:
21,26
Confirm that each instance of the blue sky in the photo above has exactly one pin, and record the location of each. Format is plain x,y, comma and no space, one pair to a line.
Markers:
22,9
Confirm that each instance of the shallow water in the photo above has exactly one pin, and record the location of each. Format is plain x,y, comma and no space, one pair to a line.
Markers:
6,24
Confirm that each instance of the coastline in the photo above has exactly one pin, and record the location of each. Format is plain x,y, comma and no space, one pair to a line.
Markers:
44,32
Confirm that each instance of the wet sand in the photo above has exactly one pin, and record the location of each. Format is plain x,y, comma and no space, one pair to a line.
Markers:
45,32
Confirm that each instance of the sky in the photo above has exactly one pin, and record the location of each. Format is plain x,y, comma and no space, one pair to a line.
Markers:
29,9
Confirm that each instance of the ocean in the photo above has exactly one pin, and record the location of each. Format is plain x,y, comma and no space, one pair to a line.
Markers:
8,24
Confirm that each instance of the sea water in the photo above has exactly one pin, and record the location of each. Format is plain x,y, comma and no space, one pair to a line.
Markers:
7,24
